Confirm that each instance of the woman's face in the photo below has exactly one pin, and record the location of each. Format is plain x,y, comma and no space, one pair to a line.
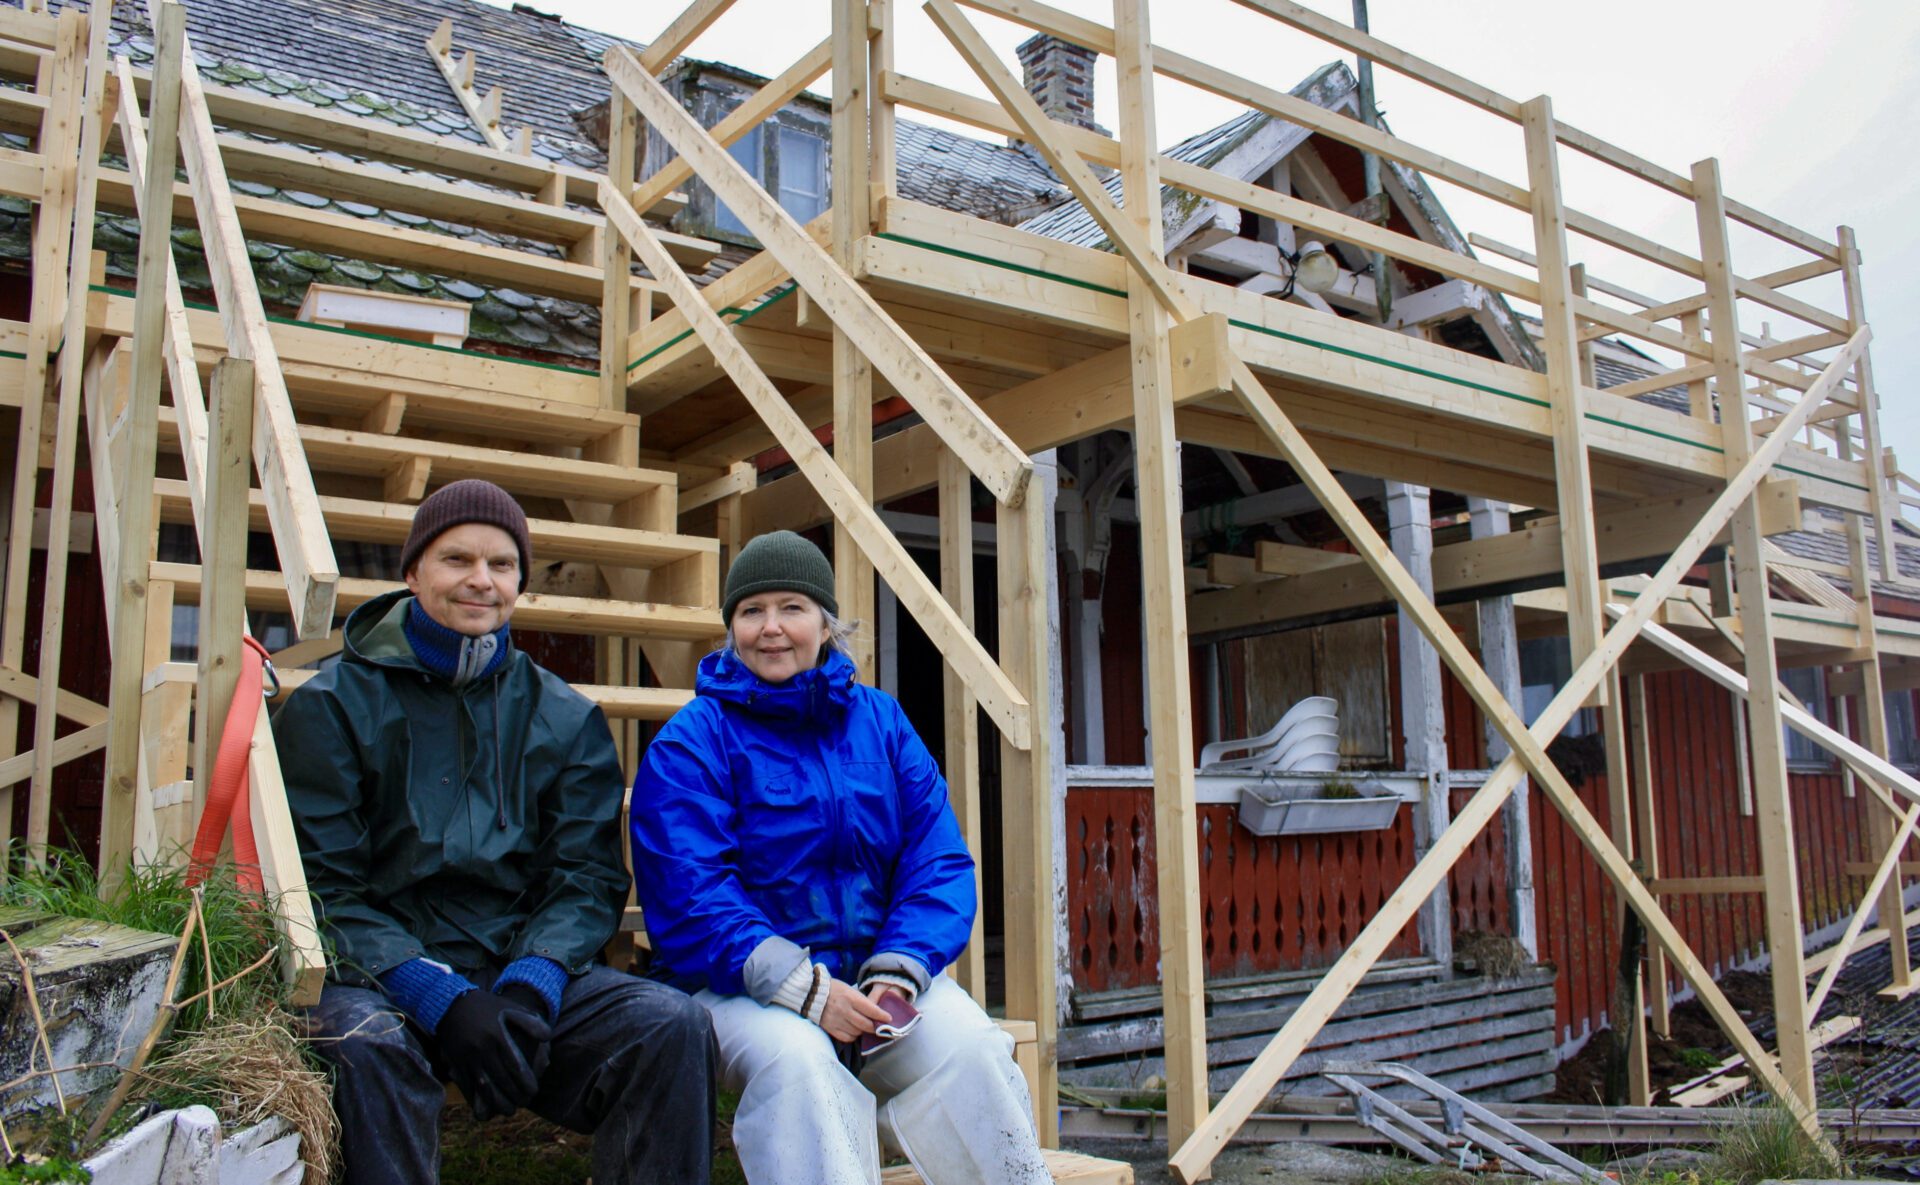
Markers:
778,634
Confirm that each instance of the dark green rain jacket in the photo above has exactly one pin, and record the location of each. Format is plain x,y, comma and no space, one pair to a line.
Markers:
413,840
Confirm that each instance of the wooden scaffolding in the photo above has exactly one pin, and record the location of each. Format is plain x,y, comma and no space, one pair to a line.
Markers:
1005,344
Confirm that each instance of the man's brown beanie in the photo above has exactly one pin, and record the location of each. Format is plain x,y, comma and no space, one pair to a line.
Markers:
469,501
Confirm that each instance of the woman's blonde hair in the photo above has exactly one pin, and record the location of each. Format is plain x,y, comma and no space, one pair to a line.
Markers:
834,637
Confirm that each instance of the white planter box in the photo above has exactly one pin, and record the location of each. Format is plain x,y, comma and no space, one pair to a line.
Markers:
1273,809
184,1148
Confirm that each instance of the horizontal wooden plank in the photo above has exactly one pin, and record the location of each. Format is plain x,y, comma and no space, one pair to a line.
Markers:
372,454
619,703
562,615
388,522
1067,1168
284,223
236,108
378,359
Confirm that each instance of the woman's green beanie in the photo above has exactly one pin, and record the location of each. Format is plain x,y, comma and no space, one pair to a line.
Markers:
779,562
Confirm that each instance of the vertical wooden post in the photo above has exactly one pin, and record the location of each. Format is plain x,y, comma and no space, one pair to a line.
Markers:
1629,996
1423,720
1873,695
1774,815
962,713
1500,656
616,257
223,560
1659,999
1560,343
59,81
1163,577
79,175
1699,398
1872,455
136,510
883,163
852,373
1026,795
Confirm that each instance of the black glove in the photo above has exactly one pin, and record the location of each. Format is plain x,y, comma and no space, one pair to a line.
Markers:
495,1049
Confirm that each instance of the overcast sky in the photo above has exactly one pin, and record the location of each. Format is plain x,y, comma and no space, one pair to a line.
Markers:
1812,110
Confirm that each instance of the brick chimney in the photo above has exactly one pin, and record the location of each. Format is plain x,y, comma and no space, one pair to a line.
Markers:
1059,75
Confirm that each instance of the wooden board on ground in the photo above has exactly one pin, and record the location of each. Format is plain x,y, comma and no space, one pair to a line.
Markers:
1065,1167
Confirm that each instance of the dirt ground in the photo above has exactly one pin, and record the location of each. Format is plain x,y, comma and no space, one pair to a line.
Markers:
1695,1044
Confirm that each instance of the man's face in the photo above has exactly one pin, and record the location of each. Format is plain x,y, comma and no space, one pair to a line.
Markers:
468,578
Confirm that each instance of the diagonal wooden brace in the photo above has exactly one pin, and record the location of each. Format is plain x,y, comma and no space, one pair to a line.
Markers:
950,411
957,644
1192,1159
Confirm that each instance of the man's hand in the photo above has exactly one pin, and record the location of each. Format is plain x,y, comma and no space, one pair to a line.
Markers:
495,1049
849,1014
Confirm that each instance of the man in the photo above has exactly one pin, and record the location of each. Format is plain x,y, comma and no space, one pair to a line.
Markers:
458,814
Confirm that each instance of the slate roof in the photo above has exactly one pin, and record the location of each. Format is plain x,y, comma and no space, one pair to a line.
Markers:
1070,223
367,58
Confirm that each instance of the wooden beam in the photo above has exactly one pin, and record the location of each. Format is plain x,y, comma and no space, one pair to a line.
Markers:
991,456
1659,995
686,28
1883,875
223,558
1572,478
1193,1159
459,75
616,258
1003,701
1156,468
76,364
299,534
135,525
960,710
1024,562
1646,531
852,216
1774,812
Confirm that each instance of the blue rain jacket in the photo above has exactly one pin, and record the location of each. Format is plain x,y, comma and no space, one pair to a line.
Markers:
808,809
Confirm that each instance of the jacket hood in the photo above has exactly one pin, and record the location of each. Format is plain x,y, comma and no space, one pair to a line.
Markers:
810,695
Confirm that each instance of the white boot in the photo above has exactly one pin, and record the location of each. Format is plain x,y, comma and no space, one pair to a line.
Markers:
803,1120
956,1104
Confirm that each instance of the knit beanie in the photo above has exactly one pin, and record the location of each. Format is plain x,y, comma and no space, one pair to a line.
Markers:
779,562
469,501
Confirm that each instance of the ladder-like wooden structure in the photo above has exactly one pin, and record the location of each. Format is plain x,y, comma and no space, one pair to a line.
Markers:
1005,344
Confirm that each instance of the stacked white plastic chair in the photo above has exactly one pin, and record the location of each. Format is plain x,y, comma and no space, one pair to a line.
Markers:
1304,740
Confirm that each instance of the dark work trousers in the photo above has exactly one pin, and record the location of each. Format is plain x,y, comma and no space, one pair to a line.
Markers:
632,1064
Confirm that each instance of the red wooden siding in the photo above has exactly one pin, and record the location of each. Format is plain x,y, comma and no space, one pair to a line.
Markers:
1295,902
1268,904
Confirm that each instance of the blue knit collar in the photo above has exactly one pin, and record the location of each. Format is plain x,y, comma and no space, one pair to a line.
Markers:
456,657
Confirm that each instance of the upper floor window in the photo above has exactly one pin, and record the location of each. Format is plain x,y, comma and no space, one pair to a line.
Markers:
790,163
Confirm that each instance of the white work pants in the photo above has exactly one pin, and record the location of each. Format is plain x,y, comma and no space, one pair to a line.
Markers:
948,1097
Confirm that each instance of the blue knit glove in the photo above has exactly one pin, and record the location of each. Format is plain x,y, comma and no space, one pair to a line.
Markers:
424,990
543,975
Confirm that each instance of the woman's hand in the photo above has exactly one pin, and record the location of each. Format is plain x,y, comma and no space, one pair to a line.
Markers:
879,992
849,1014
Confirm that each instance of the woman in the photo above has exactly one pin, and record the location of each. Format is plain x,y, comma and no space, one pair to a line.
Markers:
798,863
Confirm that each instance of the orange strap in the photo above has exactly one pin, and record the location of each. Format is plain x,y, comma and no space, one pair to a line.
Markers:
227,790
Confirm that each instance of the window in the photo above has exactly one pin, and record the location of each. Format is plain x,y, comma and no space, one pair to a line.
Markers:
802,174
1903,746
790,163
1808,685
1545,666
746,150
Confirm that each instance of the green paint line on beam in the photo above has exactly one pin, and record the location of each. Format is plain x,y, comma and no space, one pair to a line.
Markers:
11,354
1297,339
738,314
379,337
